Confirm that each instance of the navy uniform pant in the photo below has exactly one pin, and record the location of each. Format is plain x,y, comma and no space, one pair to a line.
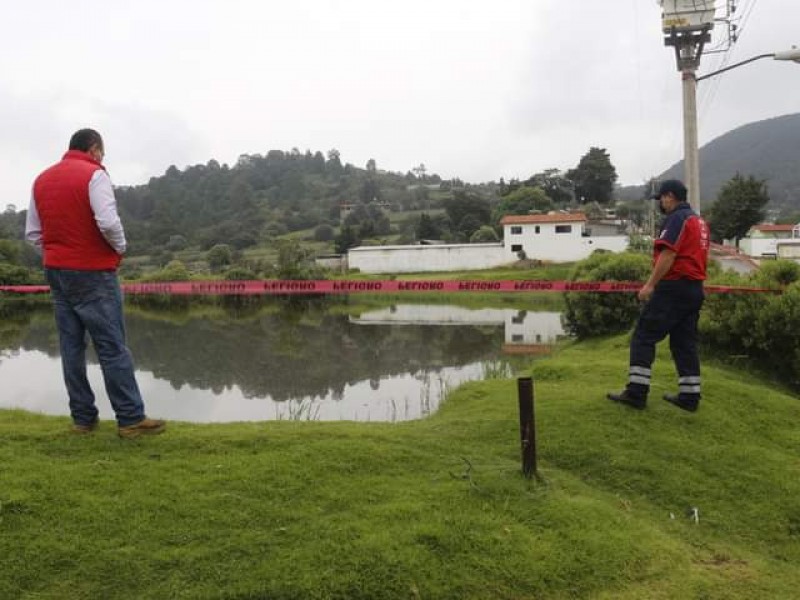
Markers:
673,310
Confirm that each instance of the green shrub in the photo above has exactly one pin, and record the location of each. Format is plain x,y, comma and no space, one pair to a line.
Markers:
593,314
175,270
175,243
643,244
324,233
775,330
9,251
221,255
14,275
484,234
725,317
777,273
761,326
239,274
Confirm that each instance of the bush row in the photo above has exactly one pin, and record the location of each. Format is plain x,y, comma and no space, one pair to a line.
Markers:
761,327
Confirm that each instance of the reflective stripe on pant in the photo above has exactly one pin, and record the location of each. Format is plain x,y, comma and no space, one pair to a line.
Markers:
673,310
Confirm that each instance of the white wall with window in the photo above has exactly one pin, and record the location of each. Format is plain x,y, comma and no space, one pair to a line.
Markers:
556,237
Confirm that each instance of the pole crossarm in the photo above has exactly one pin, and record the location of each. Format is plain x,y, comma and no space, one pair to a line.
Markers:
688,46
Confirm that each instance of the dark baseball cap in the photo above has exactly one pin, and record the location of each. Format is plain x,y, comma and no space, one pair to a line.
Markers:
671,186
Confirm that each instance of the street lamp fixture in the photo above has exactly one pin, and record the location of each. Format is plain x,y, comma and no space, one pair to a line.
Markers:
691,148
793,54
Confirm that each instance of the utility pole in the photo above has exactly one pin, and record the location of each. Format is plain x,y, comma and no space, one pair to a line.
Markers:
687,26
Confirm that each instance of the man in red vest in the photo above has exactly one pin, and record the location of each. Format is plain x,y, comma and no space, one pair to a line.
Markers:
73,219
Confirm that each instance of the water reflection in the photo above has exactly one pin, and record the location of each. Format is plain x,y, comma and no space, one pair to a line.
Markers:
277,362
525,332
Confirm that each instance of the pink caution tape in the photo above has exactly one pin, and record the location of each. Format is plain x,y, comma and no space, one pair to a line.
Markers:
278,287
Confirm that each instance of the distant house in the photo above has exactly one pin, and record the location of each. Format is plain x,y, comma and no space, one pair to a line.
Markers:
557,237
768,240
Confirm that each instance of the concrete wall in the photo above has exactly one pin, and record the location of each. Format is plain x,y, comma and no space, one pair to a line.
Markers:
335,263
464,257
547,245
759,246
427,314
418,259
789,249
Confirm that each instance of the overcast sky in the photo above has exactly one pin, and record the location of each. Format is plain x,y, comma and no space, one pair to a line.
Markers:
474,89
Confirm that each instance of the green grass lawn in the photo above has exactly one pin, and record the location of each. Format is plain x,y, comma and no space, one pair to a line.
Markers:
427,509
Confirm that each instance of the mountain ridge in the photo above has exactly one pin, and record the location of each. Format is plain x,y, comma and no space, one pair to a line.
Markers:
765,149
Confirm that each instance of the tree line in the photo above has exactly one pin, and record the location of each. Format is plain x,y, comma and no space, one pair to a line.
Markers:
222,210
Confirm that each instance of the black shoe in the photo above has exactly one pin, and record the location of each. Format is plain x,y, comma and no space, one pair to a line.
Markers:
624,397
682,403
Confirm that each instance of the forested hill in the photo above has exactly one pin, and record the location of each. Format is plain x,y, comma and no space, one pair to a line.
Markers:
261,196
765,149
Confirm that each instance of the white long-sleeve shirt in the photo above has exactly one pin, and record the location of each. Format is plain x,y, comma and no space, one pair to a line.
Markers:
104,207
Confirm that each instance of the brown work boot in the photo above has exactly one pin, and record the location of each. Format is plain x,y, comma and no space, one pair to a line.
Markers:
84,429
144,427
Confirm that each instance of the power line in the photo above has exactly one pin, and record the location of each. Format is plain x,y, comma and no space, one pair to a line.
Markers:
734,33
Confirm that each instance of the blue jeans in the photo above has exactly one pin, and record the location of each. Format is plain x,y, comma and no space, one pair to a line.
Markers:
91,301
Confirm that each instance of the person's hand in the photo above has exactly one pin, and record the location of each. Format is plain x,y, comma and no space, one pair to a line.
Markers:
645,293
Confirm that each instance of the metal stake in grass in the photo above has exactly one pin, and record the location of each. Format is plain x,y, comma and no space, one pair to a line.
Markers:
527,426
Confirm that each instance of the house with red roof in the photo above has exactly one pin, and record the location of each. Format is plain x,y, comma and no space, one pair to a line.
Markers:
770,240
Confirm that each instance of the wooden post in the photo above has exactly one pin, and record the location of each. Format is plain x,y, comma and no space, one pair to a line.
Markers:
527,426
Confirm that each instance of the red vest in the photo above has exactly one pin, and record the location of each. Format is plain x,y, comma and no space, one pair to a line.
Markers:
70,237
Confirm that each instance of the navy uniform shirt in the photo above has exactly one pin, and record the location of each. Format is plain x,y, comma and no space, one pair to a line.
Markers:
686,234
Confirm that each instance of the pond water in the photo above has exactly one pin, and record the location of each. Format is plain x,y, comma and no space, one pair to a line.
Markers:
206,364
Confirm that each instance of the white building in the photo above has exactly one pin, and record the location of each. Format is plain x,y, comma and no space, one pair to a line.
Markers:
560,237
768,240
555,237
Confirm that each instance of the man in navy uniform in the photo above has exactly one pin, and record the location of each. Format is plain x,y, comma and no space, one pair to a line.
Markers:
672,296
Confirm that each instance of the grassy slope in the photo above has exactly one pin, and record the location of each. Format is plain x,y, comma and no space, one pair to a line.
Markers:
342,510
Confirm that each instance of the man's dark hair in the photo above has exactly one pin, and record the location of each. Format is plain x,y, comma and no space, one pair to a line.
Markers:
83,139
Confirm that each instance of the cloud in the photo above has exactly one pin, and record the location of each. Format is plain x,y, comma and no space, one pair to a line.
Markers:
472,89
38,127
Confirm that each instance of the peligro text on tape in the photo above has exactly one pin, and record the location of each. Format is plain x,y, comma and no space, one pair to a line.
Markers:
274,287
